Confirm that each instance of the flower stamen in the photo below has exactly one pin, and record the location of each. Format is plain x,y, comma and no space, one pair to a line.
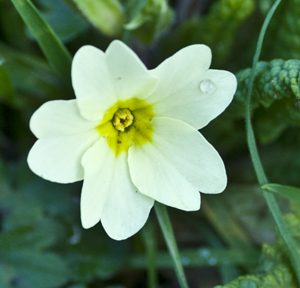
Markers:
122,119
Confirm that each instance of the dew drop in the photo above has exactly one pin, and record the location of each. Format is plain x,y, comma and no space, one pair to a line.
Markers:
185,260
76,237
212,261
207,86
204,252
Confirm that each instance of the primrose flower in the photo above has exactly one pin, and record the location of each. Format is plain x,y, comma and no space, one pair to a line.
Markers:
131,134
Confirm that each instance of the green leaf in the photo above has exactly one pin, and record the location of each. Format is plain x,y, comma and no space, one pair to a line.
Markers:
292,193
167,230
148,236
273,269
6,276
149,18
209,28
21,253
30,75
255,157
283,40
36,269
6,88
56,54
276,94
64,20
107,15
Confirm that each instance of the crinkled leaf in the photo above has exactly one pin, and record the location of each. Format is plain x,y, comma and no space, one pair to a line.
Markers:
274,270
275,100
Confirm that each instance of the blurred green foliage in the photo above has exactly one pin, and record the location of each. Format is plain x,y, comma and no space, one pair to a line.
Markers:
148,19
273,270
283,39
217,29
106,15
41,241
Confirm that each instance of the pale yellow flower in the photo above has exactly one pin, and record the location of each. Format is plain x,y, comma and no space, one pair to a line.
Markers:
131,134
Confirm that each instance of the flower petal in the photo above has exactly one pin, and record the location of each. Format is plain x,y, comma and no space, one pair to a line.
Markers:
108,194
59,118
188,91
92,82
129,75
179,70
58,159
176,165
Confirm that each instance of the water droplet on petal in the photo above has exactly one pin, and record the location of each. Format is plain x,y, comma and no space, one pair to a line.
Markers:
207,86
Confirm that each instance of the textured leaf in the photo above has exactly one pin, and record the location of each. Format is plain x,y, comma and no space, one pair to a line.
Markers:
273,270
276,96
275,80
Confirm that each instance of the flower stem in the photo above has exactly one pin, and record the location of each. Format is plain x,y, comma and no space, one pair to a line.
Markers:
150,245
257,164
167,230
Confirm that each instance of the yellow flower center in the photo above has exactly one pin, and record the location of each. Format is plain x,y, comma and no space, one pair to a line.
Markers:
122,119
127,123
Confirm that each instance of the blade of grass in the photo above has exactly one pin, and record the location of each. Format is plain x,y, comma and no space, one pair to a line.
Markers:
55,52
167,230
150,245
257,164
289,192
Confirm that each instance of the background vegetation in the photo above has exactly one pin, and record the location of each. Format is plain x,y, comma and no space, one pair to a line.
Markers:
232,242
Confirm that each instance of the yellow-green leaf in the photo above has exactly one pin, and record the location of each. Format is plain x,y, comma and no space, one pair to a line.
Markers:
292,193
107,15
